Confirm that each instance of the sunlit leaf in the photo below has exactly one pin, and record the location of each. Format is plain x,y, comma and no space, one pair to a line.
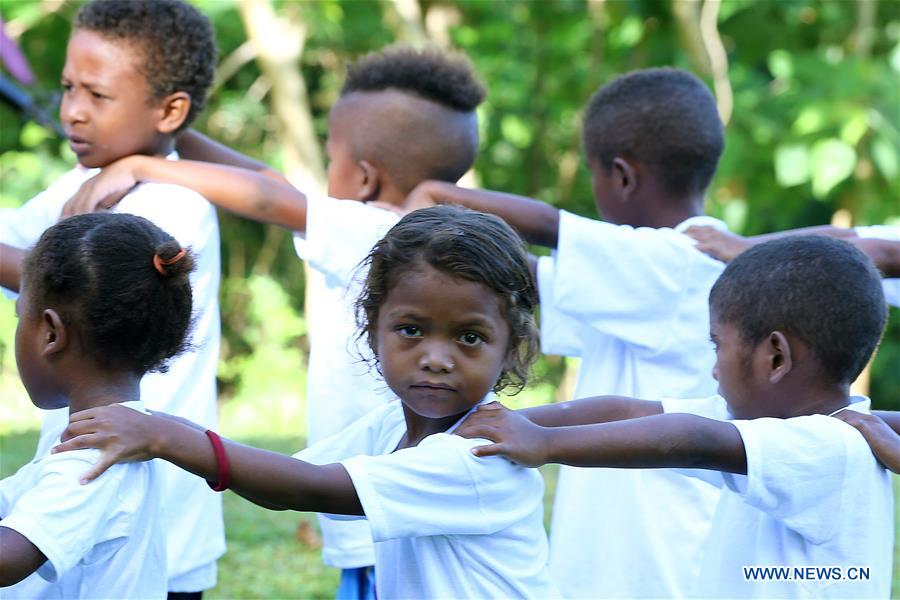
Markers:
831,162
791,165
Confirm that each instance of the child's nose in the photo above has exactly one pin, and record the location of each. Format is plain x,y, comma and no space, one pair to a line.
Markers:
72,109
436,358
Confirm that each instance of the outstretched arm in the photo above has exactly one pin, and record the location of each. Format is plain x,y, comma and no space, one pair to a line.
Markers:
193,145
725,245
668,440
536,221
266,478
248,193
589,411
10,267
19,558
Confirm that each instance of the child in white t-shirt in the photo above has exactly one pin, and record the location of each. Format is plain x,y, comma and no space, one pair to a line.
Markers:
446,310
105,298
114,105
404,115
806,509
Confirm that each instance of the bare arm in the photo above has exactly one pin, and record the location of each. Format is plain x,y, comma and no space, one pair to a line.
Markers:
588,411
193,145
536,221
659,441
19,558
10,267
884,253
725,246
266,478
248,193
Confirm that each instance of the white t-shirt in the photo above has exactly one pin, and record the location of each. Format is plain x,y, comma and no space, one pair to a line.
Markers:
192,515
633,305
891,286
445,523
340,387
815,509
101,540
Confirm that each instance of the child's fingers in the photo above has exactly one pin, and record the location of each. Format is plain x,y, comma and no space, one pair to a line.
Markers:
79,442
110,200
97,470
493,405
84,415
489,450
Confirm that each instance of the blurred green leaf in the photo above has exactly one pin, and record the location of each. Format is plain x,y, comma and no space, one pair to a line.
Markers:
831,162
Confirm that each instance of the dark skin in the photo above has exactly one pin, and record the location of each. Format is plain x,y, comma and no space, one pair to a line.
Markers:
778,380
725,246
66,377
10,267
626,194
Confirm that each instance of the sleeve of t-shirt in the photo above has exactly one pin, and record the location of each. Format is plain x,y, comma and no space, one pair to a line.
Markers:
891,286
798,469
440,488
626,282
560,332
65,519
339,235
360,437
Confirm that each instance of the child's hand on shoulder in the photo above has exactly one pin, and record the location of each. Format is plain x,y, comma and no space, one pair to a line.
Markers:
514,436
883,440
120,433
721,245
104,190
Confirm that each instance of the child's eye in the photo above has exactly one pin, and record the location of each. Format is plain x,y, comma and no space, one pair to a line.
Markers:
98,95
67,87
409,331
470,338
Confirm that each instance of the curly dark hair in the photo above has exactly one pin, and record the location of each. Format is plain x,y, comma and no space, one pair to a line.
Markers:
98,271
176,41
447,79
465,244
822,290
664,118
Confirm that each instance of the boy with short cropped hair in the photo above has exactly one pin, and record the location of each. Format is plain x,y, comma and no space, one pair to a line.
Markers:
629,298
802,495
403,116
136,73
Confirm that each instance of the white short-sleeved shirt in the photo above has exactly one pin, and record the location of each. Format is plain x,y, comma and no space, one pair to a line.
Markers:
101,540
340,387
445,523
891,286
193,515
632,303
815,508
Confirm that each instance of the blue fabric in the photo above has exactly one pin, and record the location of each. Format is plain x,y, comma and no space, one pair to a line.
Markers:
357,584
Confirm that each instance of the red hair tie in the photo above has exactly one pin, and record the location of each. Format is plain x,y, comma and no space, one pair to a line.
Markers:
161,263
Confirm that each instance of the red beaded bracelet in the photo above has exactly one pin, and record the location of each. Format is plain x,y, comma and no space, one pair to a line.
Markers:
221,460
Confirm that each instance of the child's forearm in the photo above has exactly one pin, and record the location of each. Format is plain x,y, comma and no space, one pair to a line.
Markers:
661,441
10,267
891,417
536,221
245,192
193,145
19,558
588,411
266,478
884,253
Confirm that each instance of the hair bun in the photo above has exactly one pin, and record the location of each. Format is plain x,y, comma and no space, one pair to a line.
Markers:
171,260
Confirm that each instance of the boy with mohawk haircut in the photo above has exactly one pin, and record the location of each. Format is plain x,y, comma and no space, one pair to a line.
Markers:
403,116
136,74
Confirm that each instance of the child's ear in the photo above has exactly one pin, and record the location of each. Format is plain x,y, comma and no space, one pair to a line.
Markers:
624,176
55,337
175,108
779,358
371,183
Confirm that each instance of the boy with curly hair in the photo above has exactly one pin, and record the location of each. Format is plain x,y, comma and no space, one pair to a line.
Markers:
136,74
403,116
